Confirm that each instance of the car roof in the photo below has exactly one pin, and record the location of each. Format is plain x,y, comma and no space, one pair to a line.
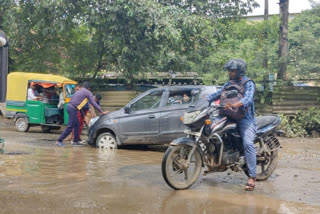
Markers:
207,88
182,87
186,86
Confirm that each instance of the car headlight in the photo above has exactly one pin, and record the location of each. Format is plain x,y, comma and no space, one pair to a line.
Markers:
93,120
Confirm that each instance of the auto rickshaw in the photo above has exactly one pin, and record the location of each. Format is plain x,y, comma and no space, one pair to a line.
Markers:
44,111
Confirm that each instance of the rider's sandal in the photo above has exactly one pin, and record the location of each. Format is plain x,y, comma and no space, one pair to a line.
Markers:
250,187
208,170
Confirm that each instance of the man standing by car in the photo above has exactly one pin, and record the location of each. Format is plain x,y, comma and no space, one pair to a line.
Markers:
247,126
78,100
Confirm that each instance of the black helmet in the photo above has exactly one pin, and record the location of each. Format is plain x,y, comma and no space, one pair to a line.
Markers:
237,64
98,96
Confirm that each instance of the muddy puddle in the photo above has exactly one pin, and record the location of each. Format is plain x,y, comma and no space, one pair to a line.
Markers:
37,177
88,180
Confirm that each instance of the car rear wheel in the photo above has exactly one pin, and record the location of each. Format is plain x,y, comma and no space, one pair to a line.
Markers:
106,140
22,124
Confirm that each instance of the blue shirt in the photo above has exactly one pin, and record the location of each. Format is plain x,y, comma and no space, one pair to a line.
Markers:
247,100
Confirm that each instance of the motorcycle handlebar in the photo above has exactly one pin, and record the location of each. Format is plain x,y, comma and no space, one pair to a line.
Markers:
216,105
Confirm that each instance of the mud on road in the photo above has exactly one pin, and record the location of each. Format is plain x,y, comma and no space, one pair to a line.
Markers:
38,177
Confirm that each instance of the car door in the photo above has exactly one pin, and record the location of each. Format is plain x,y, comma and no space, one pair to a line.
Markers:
35,111
171,126
141,124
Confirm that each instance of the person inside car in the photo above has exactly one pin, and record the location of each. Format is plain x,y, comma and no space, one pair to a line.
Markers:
185,99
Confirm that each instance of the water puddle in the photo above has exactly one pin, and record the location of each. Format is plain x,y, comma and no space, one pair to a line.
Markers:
89,180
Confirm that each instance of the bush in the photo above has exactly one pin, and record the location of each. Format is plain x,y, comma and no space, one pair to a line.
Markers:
292,127
302,124
310,120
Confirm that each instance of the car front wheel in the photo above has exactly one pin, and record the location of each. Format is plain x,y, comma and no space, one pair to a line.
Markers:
106,141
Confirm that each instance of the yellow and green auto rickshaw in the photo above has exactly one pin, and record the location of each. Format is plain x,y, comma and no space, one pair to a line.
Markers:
44,110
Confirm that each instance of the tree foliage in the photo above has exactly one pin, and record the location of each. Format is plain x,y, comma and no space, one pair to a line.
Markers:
245,40
214,8
304,44
87,36
81,38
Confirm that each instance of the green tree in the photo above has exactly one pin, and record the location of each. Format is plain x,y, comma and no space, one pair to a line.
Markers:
37,35
84,37
246,40
214,8
304,44
5,8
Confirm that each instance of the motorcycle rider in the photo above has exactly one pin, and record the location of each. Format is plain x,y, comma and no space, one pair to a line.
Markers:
247,126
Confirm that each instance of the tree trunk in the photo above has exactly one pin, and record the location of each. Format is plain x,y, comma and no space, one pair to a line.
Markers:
283,44
100,51
266,9
266,17
3,65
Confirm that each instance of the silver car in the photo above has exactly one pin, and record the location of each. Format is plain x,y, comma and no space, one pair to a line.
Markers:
153,117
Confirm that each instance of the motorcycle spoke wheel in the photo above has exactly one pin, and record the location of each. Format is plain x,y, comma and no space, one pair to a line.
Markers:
266,163
175,170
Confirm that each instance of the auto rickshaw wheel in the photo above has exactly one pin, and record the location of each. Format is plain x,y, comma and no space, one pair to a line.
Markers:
22,124
45,129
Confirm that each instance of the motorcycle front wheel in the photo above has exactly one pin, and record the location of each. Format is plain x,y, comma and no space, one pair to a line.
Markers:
175,170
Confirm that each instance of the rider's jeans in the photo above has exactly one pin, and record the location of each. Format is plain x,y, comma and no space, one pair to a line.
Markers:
247,128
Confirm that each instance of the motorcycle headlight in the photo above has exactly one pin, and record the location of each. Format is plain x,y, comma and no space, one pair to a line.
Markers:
93,120
189,116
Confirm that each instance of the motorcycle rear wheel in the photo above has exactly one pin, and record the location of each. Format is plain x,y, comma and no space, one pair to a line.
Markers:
174,170
266,164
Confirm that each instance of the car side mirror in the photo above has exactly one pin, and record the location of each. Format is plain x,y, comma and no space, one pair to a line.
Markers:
127,109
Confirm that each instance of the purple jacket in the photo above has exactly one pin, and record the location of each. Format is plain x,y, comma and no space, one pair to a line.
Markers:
81,97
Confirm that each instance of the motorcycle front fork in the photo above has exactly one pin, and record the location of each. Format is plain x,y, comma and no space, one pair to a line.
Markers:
195,145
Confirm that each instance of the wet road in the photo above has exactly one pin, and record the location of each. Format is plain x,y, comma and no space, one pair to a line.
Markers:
37,177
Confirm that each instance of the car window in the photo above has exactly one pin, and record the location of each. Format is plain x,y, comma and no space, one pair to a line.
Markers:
180,97
150,101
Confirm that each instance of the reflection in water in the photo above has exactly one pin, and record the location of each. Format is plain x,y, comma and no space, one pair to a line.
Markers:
217,202
89,180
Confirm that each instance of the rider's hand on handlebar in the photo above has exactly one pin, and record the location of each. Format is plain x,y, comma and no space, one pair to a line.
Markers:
228,106
233,106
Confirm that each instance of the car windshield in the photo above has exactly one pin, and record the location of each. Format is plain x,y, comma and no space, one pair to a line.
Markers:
70,90
149,101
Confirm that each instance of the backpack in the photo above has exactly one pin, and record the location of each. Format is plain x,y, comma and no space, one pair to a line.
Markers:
233,93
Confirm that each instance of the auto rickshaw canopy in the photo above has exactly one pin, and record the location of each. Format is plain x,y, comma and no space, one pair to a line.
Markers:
18,83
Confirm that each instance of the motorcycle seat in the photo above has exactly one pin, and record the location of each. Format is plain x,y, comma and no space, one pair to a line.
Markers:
263,121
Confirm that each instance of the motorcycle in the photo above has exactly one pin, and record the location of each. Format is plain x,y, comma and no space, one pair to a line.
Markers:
214,142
